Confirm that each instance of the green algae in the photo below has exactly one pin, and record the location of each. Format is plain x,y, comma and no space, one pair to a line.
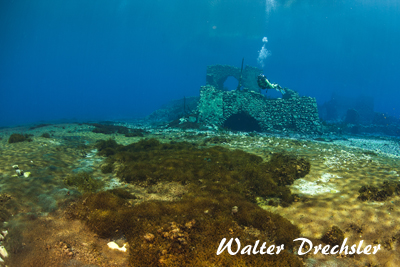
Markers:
187,232
215,168
84,182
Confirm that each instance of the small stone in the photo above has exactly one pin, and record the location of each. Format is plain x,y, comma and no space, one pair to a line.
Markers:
113,245
3,252
149,237
235,210
190,224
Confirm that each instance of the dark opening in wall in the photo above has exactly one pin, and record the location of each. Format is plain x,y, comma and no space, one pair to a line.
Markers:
242,122
230,83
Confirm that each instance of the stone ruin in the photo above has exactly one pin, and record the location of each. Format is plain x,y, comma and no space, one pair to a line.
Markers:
248,110
217,75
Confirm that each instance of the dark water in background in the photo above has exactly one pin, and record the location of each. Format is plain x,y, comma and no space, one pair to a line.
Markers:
123,59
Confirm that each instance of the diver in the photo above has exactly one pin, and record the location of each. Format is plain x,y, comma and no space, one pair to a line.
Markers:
263,83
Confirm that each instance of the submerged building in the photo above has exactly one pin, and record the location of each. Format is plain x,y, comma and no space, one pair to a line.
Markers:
248,110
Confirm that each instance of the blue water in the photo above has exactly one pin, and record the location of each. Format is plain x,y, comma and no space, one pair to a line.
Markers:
102,60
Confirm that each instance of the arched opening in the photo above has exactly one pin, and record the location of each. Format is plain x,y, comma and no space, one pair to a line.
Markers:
242,122
230,84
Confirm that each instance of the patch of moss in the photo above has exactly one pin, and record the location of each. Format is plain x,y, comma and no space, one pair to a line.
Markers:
45,135
358,229
84,182
106,147
188,232
333,237
107,168
215,168
5,208
15,138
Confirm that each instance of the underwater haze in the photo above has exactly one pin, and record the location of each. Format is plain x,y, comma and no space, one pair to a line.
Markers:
159,133
108,60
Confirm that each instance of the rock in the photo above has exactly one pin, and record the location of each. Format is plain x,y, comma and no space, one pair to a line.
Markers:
3,252
113,245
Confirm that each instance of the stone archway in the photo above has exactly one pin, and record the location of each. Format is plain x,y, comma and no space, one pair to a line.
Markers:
243,122
233,108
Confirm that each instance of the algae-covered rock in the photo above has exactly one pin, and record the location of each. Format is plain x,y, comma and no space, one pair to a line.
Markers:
287,168
107,168
333,237
381,193
15,138
45,135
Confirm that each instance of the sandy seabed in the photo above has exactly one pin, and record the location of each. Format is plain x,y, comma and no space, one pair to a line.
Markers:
40,235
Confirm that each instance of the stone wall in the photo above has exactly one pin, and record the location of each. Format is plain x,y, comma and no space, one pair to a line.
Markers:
297,114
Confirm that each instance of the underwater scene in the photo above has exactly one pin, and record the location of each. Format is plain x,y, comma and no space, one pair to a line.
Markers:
199,133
